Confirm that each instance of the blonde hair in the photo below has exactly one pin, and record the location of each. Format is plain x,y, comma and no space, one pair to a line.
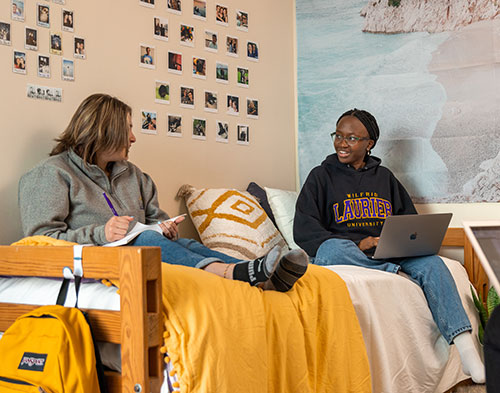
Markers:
99,124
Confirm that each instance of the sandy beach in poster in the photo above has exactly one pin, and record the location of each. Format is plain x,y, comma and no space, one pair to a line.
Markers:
467,66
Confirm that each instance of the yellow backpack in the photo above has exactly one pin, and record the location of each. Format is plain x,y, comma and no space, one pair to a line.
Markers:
50,349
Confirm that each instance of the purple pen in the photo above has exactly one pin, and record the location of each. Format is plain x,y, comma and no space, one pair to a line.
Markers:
110,204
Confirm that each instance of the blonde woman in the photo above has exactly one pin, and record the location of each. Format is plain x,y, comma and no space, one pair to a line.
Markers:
64,197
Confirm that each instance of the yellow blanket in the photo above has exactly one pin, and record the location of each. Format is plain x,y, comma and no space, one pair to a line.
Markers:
225,336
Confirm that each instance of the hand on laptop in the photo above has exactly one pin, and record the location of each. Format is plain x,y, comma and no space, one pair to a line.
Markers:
368,242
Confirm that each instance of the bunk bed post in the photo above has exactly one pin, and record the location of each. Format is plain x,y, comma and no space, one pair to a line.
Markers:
456,237
141,319
475,271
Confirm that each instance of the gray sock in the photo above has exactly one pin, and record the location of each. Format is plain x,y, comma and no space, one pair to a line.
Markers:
258,270
291,267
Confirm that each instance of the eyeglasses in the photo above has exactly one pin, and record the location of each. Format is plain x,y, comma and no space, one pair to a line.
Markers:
351,139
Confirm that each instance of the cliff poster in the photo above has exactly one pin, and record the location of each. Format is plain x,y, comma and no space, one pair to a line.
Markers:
429,71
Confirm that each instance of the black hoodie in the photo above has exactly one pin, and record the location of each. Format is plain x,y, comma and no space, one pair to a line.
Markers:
338,201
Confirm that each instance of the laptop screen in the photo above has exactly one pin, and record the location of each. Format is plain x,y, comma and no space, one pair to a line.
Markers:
489,241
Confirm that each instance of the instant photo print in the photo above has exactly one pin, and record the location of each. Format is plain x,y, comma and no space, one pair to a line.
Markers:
174,127
187,97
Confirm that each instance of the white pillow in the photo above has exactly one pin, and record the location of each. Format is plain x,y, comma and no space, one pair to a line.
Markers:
282,204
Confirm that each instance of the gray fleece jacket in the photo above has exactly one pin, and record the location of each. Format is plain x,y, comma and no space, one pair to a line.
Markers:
62,197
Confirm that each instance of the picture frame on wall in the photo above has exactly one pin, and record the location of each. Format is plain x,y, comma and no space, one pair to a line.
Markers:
147,56
174,125
175,62
252,51
19,62
200,9
222,73
222,131
221,15
232,105
199,68
232,46
79,48
5,33
162,92
199,128
242,134
148,122
252,108
42,15
67,20
43,66
147,3
17,10
187,35
242,79
68,69
38,92
187,97
56,43
211,41
210,101
174,6
30,38
160,28
242,20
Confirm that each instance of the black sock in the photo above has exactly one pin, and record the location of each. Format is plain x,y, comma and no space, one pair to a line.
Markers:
259,270
291,267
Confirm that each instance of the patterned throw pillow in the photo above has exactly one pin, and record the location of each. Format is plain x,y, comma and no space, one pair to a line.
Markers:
231,221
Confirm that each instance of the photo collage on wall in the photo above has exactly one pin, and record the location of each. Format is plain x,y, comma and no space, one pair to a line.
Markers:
53,21
176,25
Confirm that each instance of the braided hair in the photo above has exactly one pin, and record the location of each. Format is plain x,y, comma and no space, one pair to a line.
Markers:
368,121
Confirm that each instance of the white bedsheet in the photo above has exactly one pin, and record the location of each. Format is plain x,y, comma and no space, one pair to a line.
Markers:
41,291
405,349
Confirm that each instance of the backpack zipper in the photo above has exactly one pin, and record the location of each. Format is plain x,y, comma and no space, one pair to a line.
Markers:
19,382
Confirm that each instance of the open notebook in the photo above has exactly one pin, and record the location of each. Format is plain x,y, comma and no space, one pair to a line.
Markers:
137,229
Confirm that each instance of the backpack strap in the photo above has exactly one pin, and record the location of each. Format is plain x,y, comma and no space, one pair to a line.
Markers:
76,274
98,362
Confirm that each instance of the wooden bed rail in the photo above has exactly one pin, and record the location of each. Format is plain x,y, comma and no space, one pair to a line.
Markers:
138,324
455,237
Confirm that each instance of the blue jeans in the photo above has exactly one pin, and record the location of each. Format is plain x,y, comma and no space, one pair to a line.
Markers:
429,272
185,252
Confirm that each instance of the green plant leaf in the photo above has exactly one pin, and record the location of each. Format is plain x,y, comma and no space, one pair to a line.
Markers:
492,300
480,334
483,313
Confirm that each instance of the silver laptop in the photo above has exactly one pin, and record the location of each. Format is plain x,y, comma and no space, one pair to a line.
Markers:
412,235
485,239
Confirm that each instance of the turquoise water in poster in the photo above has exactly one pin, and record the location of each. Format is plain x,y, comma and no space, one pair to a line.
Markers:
340,67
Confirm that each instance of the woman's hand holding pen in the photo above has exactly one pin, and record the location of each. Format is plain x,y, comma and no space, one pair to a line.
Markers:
117,227
169,227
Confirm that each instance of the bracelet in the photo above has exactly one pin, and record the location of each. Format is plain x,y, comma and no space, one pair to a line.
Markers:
225,270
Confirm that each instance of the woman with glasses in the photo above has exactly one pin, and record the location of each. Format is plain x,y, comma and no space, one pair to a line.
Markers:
339,216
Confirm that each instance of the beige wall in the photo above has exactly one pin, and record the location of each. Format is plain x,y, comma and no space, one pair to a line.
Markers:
113,34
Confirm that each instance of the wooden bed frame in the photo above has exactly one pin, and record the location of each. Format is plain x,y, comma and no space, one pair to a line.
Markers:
456,237
138,325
